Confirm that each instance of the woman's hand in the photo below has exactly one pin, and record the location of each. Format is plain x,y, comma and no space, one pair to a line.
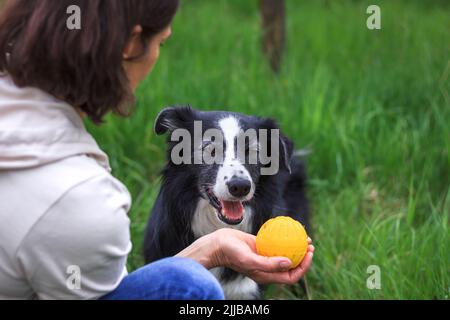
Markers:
237,250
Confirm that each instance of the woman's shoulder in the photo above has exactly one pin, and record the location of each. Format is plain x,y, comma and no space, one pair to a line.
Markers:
72,194
50,182
87,227
83,174
87,191
95,209
68,213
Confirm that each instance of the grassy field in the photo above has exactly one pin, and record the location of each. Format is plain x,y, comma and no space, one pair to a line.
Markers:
372,105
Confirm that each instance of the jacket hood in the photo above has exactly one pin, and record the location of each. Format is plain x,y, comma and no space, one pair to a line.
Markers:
38,129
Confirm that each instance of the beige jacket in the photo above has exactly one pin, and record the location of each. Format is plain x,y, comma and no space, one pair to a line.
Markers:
64,229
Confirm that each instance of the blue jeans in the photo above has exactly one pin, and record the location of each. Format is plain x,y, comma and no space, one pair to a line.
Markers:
169,279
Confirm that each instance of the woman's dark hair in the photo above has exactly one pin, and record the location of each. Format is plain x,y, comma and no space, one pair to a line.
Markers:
83,67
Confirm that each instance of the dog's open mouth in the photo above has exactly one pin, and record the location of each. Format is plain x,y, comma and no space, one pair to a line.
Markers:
230,212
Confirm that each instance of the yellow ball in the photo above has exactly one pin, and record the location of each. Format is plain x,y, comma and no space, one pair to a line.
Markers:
283,237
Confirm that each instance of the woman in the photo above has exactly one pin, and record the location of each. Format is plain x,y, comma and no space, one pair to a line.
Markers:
64,229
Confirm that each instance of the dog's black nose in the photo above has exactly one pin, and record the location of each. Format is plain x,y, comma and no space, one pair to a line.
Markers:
239,187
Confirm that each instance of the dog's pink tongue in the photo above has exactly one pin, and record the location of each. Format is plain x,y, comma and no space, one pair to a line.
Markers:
233,210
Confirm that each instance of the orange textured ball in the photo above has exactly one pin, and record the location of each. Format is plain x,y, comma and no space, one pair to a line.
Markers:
283,237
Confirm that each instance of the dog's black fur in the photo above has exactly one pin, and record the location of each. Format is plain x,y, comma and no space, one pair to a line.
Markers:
169,229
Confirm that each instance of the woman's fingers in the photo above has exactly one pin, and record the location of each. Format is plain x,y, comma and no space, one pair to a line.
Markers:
271,265
280,265
300,271
267,278
285,277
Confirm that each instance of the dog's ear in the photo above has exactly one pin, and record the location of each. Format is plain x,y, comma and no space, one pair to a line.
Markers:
286,145
287,150
172,118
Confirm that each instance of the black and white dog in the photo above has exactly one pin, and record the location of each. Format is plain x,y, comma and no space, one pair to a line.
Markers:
195,200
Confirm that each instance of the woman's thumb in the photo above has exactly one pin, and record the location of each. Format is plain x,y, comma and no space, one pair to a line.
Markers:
273,264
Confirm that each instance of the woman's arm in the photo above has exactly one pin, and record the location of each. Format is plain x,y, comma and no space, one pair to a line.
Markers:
237,250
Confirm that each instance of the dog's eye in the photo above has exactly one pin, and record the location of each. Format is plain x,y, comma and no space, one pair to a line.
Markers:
206,144
253,146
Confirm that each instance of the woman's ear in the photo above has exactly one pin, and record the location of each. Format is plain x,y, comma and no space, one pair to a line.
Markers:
133,47
172,118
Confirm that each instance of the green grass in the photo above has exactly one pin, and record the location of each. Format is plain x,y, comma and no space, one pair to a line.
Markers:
369,105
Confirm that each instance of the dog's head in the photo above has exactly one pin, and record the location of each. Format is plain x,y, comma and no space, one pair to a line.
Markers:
224,154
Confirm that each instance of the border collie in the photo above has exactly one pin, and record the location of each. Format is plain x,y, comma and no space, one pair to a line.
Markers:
195,200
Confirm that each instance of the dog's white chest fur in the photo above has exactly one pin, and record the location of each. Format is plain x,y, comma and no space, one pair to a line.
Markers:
205,221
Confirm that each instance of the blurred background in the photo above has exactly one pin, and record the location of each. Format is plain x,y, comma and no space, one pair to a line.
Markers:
372,105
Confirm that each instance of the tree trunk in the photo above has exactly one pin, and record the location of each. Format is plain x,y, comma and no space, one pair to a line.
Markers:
273,14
